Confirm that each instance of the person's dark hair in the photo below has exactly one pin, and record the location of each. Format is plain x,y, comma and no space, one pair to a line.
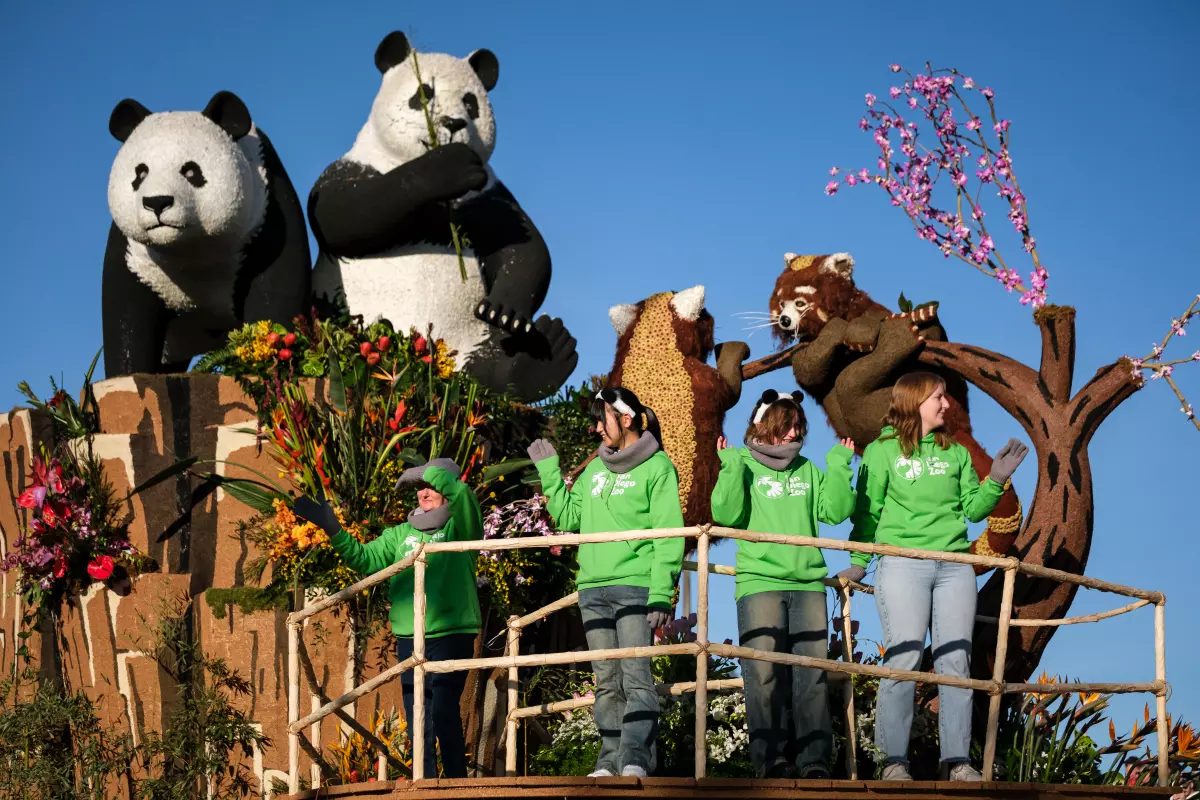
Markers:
776,414
622,401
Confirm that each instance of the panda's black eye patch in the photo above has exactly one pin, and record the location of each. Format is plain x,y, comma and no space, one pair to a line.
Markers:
139,174
191,171
471,103
414,102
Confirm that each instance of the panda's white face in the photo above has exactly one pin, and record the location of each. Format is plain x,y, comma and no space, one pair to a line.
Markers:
458,104
180,178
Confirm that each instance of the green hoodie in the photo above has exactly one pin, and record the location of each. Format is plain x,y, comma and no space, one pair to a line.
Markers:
922,501
451,599
644,498
754,497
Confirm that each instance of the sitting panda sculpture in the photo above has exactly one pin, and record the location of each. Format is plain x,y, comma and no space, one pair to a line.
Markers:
381,216
207,234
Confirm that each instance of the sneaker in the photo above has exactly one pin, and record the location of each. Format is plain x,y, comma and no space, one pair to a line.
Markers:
633,771
814,772
963,772
895,771
600,773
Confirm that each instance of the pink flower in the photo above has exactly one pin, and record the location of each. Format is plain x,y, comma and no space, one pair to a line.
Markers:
1188,411
831,188
969,83
834,170
894,67
32,498
988,93
863,175
851,179
894,92
1001,126
974,124
1156,349
912,102
1177,326
870,99
100,568
1196,356
863,124
556,550
1030,243
960,179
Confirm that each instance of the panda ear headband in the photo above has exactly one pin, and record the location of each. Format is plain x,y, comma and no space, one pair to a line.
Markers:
613,399
769,398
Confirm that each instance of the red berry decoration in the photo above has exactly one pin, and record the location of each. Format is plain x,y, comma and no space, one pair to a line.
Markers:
289,339
365,348
419,344
285,354
373,359
273,339
427,359
383,344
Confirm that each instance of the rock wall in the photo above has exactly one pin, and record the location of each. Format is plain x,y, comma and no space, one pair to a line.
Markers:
148,422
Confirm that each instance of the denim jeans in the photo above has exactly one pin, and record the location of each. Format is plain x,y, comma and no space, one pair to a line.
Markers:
906,592
786,622
626,704
443,692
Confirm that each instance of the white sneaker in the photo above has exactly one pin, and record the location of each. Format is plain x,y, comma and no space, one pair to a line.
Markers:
600,773
964,772
633,771
895,771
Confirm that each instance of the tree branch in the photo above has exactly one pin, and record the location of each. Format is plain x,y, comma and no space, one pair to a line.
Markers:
1058,353
752,369
1108,388
1007,381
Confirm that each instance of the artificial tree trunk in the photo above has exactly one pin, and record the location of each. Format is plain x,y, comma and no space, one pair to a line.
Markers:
1058,530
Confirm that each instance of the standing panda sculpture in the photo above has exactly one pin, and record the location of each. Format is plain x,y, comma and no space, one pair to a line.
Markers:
381,215
207,234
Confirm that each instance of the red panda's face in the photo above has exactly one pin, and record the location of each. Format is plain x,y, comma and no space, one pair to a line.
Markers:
809,292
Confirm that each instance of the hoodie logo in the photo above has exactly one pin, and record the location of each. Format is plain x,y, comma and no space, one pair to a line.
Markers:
599,481
908,468
769,487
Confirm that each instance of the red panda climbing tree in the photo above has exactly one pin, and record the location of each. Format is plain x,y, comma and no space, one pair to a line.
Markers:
971,153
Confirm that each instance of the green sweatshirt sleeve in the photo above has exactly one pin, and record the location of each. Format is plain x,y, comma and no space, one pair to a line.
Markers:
369,558
464,505
668,553
564,505
978,499
730,508
871,491
835,498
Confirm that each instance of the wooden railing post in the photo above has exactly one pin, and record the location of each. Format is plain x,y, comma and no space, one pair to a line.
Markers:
997,692
513,648
702,653
1160,675
417,724
848,690
293,706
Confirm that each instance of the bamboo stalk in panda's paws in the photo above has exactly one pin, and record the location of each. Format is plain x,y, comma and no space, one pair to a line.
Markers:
433,143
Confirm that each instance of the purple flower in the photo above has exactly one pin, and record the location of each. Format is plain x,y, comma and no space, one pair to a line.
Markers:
863,124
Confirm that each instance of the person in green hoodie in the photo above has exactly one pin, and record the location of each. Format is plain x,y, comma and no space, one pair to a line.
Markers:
917,489
768,486
625,588
447,510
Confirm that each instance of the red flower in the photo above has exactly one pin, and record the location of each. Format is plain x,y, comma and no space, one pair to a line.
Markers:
32,498
365,348
372,359
394,422
383,344
100,567
353,776
273,339
60,567
285,354
289,339
419,344
427,359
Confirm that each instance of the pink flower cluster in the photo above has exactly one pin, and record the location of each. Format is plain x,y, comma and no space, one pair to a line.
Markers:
519,518
961,149
61,542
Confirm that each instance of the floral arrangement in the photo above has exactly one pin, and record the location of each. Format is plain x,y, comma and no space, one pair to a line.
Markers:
520,580
73,533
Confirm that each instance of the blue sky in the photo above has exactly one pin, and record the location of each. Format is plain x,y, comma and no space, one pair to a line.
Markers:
657,150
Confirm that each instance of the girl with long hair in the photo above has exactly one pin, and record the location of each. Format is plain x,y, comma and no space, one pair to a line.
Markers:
917,489
768,486
625,588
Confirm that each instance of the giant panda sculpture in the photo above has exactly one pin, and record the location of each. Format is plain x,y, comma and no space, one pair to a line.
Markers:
207,234
381,216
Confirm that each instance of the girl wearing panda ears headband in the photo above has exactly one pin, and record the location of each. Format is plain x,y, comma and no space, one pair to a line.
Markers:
768,486
625,588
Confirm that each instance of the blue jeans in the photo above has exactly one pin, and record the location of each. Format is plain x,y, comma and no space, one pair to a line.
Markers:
910,594
786,622
443,692
626,707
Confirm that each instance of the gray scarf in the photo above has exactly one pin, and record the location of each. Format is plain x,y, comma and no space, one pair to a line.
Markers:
429,521
626,459
774,456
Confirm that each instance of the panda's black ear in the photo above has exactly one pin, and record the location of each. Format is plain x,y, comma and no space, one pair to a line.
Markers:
227,110
125,117
392,51
486,66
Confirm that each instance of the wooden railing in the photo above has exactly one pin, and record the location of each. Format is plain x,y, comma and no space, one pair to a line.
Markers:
996,688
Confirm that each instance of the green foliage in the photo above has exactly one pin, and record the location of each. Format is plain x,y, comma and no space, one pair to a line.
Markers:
248,599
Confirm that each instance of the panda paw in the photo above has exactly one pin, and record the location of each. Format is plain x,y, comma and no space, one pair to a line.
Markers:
543,360
498,316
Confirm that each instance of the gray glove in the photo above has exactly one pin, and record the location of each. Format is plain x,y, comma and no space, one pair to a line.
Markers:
540,450
657,617
318,512
853,573
1007,461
